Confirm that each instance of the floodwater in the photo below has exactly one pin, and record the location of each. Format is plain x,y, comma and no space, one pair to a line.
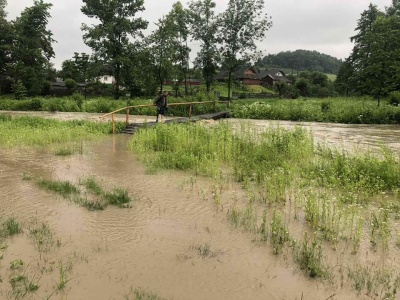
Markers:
153,245
342,136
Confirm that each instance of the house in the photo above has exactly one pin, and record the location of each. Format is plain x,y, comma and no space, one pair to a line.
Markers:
253,76
59,88
243,74
190,82
272,77
107,79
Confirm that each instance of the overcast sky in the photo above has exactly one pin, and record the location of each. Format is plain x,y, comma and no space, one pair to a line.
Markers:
321,25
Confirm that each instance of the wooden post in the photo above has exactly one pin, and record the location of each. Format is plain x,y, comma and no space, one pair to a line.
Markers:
190,111
127,116
113,124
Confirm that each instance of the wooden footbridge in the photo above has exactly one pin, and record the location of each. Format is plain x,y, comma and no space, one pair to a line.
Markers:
132,127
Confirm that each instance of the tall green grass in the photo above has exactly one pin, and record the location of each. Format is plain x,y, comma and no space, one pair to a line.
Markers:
349,198
335,110
36,131
350,110
274,157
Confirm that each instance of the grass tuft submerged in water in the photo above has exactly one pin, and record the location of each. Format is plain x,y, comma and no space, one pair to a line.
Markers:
88,193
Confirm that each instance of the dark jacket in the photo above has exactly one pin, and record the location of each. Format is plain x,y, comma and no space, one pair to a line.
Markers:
161,101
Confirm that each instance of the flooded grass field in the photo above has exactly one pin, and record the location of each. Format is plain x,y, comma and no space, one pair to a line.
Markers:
177,235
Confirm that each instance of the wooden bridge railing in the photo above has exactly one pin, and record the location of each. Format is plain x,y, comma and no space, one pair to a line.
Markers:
127,109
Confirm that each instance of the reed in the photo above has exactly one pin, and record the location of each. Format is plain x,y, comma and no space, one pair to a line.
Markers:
308,254
41,235
374,281
279,233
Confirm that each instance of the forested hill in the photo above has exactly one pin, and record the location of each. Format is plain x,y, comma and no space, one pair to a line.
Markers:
300,60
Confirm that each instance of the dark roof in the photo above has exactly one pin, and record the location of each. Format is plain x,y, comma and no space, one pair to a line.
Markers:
272,73
61,84
259,74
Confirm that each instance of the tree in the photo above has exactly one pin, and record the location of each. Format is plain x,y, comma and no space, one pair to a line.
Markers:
301,60
362,47
110,39
179,20
139,72
70,70
70,84
374,64
242,24
19,90
343,83
32,48
162,49
6,39
303,85
382,72
204,27
394,9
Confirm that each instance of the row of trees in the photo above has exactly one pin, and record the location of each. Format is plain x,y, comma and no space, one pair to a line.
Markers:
138,63
301,60
306,84
373,67
26,49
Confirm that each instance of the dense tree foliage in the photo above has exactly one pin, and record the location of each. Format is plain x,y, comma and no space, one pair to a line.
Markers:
6,37
179,22
120,49
110,39
141,65
301,60
204,27
373,66
242,24
26,49
162,49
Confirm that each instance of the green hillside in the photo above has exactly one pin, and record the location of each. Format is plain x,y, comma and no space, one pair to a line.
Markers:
301,60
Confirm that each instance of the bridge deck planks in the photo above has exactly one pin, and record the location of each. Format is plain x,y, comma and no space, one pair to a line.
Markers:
131,128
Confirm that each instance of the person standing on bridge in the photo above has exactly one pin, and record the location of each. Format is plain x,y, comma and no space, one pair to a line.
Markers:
161,103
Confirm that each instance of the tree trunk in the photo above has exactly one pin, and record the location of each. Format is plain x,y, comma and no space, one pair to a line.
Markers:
117,81
229,84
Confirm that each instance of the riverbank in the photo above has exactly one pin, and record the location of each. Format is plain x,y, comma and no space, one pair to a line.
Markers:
346,110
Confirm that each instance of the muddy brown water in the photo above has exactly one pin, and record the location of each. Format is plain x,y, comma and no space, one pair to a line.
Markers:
154,244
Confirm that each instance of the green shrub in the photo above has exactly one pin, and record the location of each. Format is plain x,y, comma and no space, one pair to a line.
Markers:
52,106
19,90
78,98
394,98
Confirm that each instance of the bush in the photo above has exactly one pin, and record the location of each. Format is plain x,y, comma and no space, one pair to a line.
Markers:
52,106
394,98
291,92
325,106
78,98
19,90
70,84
